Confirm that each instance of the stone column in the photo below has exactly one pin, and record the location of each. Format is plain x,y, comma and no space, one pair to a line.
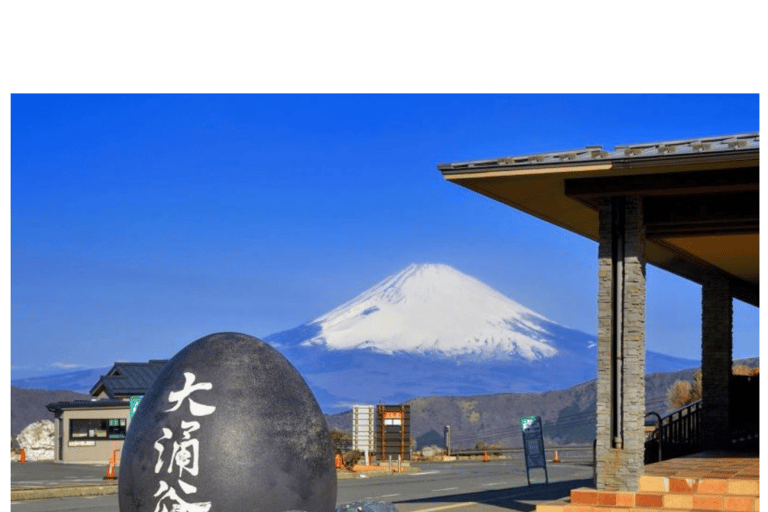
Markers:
621,344
716,361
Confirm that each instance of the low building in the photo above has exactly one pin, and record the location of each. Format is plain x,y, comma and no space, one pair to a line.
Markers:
88,430
690,207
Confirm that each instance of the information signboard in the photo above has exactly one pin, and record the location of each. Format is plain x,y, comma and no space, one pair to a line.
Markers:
393,418
362,428
533,443
134,403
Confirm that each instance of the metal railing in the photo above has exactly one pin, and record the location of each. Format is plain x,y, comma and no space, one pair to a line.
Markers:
561,449
677,434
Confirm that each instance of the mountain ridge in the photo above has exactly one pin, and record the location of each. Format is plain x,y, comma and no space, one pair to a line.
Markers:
372,349
568,415
416,333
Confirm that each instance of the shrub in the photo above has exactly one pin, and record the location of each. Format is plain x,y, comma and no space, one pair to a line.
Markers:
429,452
492,448
351,458
342,441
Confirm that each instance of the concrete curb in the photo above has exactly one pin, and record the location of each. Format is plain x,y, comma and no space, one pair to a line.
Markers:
62,491
347,475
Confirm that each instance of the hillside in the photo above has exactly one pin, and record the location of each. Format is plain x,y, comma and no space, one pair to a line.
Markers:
28,405
568,415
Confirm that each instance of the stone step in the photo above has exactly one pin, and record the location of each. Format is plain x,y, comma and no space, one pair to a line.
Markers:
665,493
728,504
553,506
704,485
566,506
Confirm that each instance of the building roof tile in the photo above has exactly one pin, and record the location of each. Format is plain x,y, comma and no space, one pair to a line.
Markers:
85,404
701,145
126,379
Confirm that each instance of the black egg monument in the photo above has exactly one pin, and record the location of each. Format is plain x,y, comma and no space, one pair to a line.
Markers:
229,425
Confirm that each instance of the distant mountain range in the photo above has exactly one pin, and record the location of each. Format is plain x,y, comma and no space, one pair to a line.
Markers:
428,330
80,381
568,414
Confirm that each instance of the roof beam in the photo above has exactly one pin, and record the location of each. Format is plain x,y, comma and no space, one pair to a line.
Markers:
696,270
698,215
692,182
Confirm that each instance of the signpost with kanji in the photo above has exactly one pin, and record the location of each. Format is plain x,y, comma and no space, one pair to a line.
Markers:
533,442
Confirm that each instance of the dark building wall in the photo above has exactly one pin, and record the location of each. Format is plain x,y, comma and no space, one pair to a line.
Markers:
716,362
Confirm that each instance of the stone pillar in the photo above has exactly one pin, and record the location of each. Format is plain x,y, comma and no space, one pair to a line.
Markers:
621,344
716,361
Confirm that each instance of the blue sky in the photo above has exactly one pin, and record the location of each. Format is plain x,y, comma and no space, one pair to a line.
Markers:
140,223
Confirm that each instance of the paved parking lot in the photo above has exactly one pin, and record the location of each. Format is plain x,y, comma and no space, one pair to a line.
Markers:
461,486
41,474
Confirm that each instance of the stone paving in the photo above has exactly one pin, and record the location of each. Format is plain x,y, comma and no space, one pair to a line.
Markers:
704,481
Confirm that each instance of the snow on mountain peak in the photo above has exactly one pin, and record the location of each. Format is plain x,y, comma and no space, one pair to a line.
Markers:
434,308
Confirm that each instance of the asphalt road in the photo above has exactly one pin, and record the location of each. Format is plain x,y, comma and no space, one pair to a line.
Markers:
461,486
42,474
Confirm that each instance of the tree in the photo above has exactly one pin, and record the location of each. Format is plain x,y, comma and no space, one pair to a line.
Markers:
678,394
740,369
682,392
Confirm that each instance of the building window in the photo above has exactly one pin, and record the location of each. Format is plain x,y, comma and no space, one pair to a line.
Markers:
82,429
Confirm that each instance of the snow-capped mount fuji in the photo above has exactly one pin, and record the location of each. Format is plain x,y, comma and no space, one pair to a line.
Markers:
435,309
431,330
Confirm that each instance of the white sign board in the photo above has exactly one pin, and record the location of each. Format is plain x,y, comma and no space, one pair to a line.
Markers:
362,428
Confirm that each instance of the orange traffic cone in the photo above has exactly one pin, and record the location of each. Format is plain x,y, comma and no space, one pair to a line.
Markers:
23,456
485,457
111,468
556,458
338,462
